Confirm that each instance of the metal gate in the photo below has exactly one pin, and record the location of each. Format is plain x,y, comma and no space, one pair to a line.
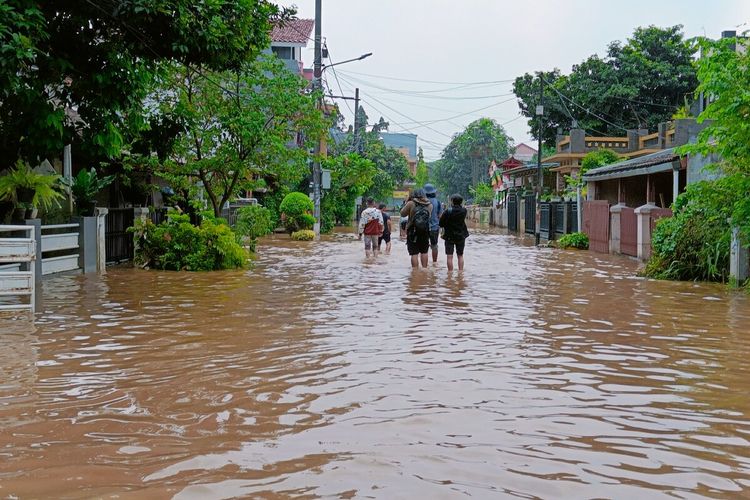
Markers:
513,212
118,240
546,220
560,219
530,213
596,224
628,232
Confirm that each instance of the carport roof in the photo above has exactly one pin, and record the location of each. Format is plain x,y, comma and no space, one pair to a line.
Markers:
661,161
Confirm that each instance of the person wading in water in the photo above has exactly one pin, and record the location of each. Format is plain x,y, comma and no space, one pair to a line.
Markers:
455,232
437,208
419,211
387,228
371,225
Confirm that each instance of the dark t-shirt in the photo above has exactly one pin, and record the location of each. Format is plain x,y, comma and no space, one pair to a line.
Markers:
386,218
454,222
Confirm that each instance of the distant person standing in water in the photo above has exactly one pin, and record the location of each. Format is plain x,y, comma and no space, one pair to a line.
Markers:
453,222
419,211
437,209
387,228
403,220
371,226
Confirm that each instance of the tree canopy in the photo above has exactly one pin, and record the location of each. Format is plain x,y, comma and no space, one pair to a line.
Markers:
78,71
237,127
465,160
635,85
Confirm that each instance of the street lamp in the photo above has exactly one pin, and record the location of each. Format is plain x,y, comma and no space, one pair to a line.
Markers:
317,73
363,56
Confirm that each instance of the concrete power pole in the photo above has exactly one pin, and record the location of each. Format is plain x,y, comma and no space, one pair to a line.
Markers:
357,148
539,173
317,85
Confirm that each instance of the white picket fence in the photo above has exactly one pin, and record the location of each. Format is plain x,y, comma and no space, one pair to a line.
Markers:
16,251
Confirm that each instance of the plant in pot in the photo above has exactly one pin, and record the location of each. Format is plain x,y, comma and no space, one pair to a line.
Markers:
84,187
29,191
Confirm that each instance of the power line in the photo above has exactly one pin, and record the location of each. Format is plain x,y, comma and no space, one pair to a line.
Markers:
588,111
346,101
426,81
421,94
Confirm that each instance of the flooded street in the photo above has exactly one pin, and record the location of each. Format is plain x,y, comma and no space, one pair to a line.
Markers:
535,373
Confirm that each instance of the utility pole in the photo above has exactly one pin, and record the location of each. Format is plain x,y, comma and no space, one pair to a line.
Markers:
357,148
317,85
539,173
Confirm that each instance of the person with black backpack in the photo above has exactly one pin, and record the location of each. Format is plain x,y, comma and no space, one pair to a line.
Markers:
419,212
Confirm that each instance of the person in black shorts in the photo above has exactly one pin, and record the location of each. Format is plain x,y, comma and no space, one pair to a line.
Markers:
455,232
386,230
418,210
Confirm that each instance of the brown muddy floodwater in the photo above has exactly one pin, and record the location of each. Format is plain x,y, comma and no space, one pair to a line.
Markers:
535,374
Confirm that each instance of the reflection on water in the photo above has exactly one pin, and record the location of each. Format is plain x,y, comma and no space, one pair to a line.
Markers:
534,373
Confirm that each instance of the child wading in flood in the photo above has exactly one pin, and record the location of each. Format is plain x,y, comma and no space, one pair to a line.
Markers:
453,222
387,228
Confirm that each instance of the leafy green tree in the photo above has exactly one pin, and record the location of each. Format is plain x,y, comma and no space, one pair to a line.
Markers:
636,85
694,244
593,159
465,160
724,74
392,168
351,177
483,194
100,59
238,127
422,176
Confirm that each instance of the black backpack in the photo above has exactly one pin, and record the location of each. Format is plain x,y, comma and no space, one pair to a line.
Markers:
421,216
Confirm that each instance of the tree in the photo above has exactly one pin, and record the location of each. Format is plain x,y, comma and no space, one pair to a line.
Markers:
465,160
636,85
351,176
483,194
592,160
237,127
77,72
422,175
724,74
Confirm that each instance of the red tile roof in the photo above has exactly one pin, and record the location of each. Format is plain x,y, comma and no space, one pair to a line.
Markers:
293,31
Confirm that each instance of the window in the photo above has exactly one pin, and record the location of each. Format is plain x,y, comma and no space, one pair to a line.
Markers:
283,52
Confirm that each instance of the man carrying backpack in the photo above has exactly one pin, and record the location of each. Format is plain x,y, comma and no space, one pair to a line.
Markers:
437,210
419,211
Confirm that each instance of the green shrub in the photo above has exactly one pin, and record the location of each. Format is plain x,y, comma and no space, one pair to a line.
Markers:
253,222
295,210
303,235
574,240
694,243
178,245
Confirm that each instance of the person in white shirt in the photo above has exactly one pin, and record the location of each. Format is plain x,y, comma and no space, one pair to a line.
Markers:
371,226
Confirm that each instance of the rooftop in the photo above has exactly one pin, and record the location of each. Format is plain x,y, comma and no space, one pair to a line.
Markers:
293,31
651,163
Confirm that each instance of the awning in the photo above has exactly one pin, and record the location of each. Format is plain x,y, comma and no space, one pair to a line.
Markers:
662,161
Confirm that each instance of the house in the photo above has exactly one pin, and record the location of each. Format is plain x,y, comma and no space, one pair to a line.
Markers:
499,171
624,199
287,41
406,144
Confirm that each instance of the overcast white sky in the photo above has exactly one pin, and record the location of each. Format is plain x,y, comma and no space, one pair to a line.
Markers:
470,41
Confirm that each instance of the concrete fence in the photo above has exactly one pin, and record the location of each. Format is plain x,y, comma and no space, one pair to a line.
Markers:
78,245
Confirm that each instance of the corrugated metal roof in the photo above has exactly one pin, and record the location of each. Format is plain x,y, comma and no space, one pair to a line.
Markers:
651,163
